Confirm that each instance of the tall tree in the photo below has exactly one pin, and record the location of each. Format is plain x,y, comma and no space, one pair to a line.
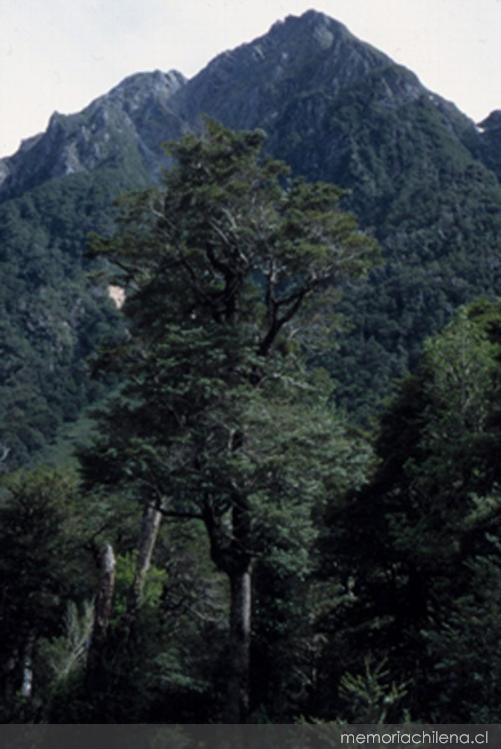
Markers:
229,273
37,565
416,542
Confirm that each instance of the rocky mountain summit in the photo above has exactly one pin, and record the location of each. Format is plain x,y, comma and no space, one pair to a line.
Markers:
304,79
296,58
125,123
417,172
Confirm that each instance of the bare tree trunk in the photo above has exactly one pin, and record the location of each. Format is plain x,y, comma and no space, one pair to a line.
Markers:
102,612
237,705
149,532
230,553
27,673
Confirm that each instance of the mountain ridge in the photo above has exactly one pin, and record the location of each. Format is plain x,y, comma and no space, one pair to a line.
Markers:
417,172
180,101
83,140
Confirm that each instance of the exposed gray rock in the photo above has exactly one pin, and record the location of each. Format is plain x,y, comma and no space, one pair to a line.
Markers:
131,120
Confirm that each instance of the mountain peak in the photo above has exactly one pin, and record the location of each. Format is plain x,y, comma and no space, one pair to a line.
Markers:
155,80
298,56
492,122
133,91
136,112
311,18
313,24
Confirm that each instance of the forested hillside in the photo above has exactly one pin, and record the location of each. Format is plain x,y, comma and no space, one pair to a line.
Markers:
285,503
419,176
55,310
232,549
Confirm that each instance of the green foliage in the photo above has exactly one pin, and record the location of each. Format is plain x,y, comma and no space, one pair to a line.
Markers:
54,315
461,363
60,657
233,276
464,648
215,270
156,580
236,273
37,567
371,697
418,543
219,419
409,164
163,671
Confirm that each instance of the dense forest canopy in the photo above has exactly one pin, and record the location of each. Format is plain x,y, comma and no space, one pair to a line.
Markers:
230,547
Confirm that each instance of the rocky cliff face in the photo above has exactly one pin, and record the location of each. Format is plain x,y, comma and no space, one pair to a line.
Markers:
298,57
296,82
309,83
124,126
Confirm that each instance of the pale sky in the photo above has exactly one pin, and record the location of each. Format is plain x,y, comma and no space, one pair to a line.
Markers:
61,54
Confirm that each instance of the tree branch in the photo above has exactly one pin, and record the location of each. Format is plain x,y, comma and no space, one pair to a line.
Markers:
278,323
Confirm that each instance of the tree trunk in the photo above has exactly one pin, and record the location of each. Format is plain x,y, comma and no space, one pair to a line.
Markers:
230,553
27,674
237,705
149,532
102,613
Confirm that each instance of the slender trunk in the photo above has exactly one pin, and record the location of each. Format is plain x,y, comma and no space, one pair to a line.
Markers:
27,675
104,600
237,705
149,532
102,613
